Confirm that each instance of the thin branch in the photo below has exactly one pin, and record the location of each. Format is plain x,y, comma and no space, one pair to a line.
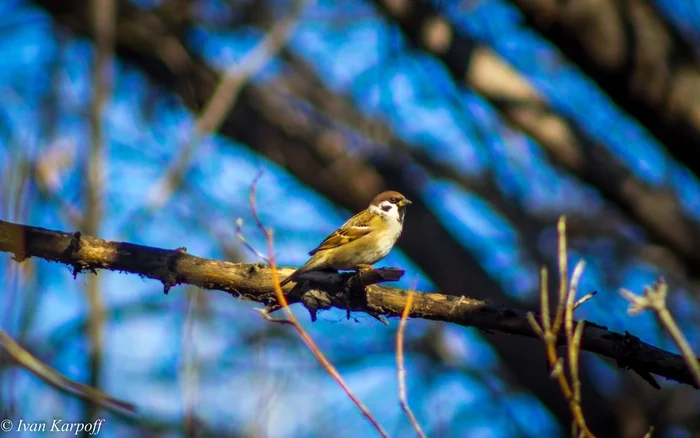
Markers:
401,369
550,332
104,17
224,98
324,290
244,241
654,298
190,365
52,377
226,93
291,319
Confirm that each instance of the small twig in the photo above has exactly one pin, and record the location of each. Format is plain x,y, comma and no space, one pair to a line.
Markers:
239,234
563,274
544,302
189,365
104,22
254,208
654,298
549,330
585,298
401,370
292,321
223,98
574,352
569,307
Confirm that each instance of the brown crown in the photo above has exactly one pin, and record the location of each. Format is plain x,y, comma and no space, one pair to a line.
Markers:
385,196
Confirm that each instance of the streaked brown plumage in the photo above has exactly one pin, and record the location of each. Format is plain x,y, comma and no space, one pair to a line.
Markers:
362,240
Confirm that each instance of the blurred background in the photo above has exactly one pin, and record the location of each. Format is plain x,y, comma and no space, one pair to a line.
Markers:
146,121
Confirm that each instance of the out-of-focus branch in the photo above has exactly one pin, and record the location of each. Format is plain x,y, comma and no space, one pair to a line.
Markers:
549,329
270,124
23,358
654,298
224,97
274,126
217,107
658,210
255,282
46,173
292,320
104,18
401,368
235,77
637,58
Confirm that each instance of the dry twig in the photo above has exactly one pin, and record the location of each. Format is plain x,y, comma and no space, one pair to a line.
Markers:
104,18
224,98
548,331
400,368
292,321
654,299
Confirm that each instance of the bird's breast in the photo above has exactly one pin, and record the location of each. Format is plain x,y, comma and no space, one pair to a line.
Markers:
369,249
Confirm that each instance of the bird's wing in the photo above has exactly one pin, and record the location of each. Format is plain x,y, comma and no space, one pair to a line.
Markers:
356,227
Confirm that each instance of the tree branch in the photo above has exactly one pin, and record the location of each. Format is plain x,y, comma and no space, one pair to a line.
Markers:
564,140
270,123
636,57
254,282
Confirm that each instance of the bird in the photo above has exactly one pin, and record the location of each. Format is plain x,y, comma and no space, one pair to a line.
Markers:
362,240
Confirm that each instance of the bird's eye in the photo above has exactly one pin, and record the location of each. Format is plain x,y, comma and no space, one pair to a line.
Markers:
394,200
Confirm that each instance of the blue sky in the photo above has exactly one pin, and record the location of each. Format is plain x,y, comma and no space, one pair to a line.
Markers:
370,62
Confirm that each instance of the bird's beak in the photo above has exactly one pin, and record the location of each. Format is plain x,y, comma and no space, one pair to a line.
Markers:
405,202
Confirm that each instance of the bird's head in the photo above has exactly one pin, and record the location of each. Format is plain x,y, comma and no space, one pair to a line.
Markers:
390,204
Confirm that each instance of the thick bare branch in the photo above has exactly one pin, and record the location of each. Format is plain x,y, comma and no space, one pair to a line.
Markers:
322,291
636,57
658,210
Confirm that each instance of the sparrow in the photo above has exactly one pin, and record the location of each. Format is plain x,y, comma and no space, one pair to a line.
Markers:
363,240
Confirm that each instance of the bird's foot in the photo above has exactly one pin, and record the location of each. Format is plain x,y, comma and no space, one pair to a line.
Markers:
361,271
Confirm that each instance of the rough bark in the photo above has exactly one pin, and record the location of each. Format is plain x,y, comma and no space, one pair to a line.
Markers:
318,291
282,131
